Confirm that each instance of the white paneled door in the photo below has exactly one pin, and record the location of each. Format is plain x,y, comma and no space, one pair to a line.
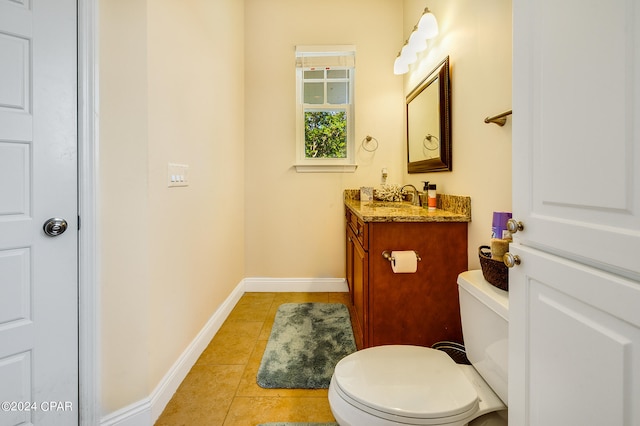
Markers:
574,300
38,182
576,87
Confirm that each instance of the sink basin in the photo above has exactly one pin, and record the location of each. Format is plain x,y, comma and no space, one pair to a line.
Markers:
389,204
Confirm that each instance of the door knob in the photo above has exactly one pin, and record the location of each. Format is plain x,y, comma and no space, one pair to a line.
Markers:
514,226
511,260
54,226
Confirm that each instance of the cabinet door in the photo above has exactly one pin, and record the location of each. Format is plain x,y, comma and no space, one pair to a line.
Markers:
575,349
350,241
360,288
576,130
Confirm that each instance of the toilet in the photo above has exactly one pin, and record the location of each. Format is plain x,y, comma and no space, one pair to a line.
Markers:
415,385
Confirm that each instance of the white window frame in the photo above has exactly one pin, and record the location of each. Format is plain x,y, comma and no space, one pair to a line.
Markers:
345,55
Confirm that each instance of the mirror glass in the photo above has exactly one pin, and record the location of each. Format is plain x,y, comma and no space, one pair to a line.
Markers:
429,123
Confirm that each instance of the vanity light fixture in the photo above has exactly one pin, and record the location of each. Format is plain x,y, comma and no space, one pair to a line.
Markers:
426,28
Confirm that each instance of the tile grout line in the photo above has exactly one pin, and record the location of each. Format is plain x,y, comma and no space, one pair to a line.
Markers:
246,364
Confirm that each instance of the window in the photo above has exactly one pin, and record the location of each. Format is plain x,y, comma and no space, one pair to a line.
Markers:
325,114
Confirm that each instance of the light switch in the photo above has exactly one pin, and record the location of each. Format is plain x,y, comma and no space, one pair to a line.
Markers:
177,175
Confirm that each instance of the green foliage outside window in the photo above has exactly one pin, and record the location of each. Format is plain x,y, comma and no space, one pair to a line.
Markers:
325,134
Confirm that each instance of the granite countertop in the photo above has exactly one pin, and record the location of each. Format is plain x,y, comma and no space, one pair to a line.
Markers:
451,208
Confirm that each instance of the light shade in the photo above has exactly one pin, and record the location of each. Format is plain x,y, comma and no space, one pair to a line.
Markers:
408,54
428,25
417,40
400,66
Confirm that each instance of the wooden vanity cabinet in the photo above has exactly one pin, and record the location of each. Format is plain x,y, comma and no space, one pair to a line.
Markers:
418,309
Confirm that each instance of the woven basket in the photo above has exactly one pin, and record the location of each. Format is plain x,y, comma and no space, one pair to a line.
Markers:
494,271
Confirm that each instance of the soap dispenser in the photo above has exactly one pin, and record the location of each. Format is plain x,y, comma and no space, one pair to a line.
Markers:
432,196
424,196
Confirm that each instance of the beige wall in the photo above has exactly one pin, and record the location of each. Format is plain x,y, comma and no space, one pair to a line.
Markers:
477,38
124,203
172,90
294,221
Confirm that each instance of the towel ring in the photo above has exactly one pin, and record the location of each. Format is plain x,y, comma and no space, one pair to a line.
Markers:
368,140
428,142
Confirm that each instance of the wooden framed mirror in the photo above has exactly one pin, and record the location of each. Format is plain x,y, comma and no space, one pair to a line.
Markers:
429,122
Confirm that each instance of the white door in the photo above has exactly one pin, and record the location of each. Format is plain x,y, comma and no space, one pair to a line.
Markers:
38,181
574,322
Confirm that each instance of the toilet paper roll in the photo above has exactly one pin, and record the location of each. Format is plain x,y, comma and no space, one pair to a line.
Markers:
405,262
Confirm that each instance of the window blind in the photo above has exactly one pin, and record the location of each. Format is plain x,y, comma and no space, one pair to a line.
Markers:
325,56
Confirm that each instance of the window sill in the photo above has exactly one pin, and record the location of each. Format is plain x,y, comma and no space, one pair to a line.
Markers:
325,168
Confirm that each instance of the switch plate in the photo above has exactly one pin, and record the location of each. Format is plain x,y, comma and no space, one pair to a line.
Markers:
177,175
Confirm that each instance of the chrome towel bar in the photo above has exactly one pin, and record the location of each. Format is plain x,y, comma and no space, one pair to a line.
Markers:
500,119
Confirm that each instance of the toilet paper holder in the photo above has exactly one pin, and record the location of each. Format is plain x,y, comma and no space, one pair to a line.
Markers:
387,255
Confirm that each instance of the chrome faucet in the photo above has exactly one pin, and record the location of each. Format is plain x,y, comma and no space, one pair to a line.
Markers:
415,197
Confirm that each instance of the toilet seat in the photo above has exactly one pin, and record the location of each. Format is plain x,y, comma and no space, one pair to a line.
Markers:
406,384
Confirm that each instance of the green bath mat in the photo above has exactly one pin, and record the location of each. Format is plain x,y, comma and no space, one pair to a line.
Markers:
306,343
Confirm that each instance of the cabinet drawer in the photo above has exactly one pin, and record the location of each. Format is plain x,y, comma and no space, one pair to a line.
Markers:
358,227
361,234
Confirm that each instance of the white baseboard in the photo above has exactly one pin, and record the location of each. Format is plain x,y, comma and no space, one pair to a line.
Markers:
145,412
163,393
137,414
295,285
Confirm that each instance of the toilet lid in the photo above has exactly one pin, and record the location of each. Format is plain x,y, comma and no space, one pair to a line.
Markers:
406,381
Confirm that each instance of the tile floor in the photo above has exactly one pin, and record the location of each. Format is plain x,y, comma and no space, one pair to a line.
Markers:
221,387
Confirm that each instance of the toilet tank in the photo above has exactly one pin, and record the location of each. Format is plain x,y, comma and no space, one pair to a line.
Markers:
484,310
